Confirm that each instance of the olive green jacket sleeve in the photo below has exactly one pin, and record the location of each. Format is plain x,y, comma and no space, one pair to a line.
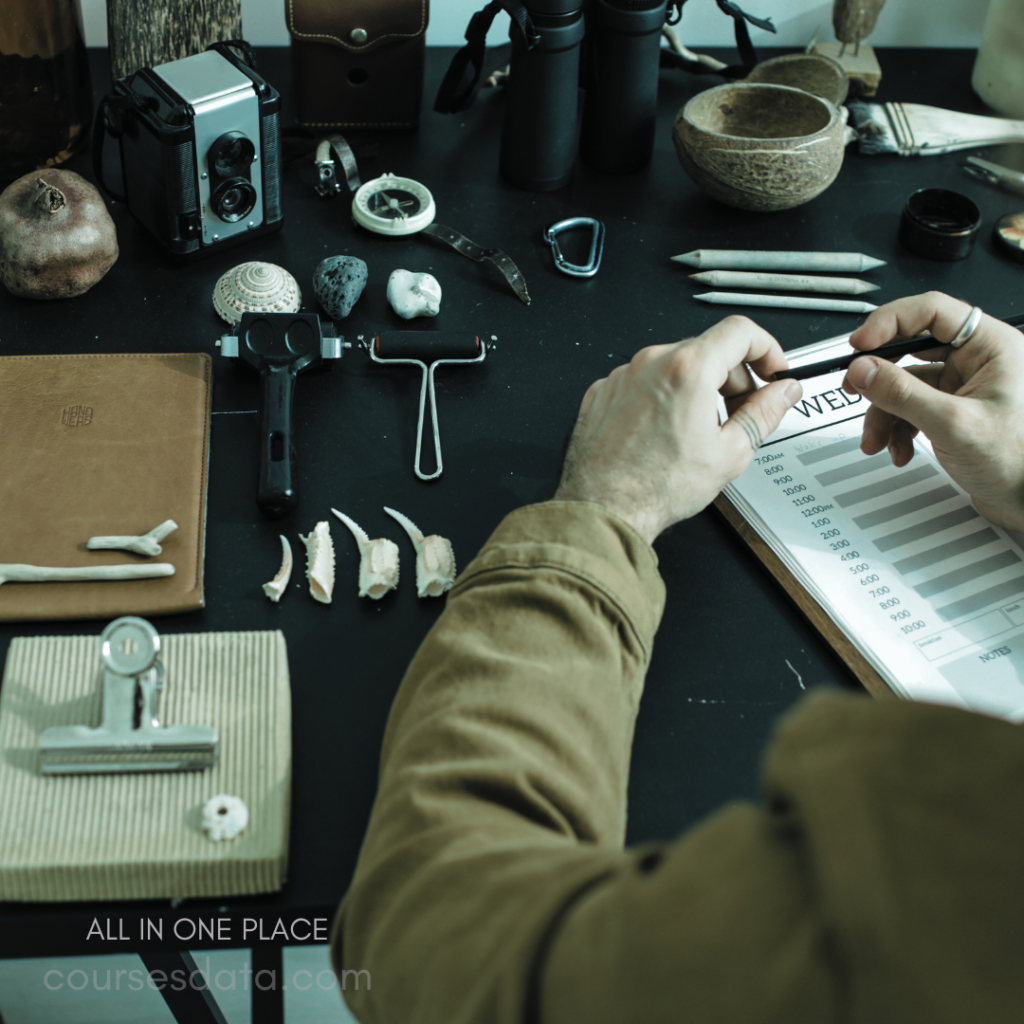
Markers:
493,885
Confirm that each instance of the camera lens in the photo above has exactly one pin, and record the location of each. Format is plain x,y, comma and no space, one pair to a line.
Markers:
233,199
231,155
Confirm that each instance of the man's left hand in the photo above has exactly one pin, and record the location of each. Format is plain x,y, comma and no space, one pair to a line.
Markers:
648,444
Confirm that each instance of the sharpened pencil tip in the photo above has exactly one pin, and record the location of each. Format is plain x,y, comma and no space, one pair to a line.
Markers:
691,259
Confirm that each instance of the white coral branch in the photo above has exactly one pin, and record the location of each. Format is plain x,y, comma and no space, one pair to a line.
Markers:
147,544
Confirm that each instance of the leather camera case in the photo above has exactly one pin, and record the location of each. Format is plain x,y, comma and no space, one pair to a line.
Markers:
358,63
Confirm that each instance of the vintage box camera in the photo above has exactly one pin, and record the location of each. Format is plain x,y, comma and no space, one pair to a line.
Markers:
200,152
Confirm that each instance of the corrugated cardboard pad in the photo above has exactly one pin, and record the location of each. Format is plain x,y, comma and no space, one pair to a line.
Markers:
138,836
97,445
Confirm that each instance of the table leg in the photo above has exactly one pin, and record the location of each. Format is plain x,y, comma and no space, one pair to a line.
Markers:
268,985
194,1004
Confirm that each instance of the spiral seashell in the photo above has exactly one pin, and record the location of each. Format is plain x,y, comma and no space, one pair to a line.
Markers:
435,558
256,288
378,561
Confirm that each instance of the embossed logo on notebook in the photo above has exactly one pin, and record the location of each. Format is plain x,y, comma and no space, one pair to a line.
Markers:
76,416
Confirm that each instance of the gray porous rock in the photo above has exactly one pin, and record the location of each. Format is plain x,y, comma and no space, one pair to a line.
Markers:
338,282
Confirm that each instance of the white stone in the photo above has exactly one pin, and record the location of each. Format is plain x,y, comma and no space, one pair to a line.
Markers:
413,295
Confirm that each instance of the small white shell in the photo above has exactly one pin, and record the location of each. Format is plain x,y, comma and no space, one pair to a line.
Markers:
224,817
256,288
413,295
320,562
276,587
435,558
378,561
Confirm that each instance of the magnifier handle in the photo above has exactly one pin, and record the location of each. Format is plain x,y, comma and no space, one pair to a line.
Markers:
276,495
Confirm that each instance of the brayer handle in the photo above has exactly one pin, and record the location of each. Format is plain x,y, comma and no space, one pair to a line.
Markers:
276,495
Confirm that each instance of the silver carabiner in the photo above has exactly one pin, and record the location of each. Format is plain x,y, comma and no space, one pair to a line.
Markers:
596,245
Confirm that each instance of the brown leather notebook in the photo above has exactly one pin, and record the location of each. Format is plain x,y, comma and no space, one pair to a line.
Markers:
98,445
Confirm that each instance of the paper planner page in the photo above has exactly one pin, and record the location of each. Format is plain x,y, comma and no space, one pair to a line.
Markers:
929,591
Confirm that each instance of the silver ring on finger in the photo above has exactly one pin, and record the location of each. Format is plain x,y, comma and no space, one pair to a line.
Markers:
966,332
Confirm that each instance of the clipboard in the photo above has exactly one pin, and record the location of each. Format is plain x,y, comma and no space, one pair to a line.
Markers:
818,617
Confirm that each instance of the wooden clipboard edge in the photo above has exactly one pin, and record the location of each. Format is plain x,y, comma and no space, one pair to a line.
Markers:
819,618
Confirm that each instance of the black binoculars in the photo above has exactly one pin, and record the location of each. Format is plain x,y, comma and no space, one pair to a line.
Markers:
561,50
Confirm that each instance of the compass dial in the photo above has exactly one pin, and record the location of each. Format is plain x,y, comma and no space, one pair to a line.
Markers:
394,202
391,205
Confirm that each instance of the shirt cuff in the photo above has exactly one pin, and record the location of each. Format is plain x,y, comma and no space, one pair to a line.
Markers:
586,541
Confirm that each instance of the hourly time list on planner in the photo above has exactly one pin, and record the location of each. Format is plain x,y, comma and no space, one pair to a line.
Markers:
929,591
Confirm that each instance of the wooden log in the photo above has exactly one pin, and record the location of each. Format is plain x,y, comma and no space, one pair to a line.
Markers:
144,33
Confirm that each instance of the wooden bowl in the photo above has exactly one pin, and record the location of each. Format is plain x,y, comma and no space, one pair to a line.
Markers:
812,72
760,147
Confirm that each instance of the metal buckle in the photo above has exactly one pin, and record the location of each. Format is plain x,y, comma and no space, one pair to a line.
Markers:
329,186
596,245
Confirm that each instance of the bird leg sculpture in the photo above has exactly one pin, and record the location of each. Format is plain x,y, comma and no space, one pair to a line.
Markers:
854,20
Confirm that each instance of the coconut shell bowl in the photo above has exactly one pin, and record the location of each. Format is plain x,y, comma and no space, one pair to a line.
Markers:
812,72
760,147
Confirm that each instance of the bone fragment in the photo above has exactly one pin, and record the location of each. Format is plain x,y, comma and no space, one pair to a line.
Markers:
276,587
320,562
378,561
20,573
435,558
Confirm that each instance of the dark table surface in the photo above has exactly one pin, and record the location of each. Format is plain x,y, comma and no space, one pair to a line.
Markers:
732,652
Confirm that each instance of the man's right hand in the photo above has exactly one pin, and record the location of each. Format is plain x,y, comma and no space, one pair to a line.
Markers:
969,402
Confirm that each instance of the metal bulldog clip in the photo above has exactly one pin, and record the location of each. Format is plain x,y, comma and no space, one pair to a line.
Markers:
129,737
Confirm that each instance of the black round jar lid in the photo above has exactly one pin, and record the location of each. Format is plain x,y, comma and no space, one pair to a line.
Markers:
939,224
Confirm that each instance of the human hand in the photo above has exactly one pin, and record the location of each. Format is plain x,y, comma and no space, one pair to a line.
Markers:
648,444
969,402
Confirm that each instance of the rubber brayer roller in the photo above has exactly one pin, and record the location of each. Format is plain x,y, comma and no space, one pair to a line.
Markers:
428,350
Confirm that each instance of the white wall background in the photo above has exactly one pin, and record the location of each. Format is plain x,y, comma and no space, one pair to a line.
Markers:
901,23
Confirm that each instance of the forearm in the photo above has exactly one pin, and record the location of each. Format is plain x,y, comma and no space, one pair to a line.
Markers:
504,769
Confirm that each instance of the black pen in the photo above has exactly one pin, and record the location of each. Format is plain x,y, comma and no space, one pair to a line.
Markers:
893,350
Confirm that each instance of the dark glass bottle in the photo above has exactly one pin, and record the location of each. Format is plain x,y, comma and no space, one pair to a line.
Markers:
45,91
